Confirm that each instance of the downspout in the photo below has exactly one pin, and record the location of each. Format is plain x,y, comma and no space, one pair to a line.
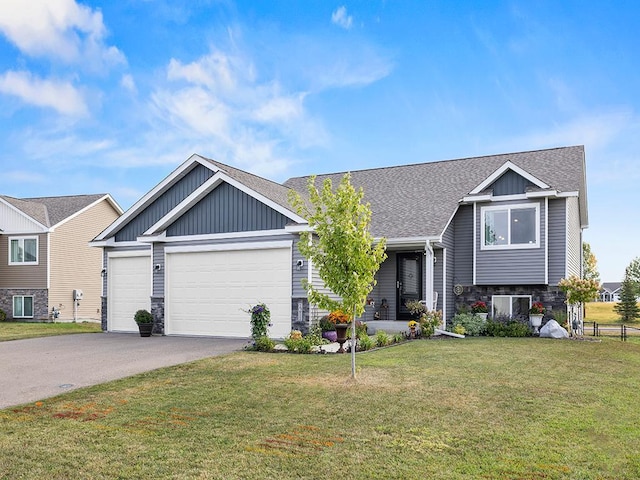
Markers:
429,274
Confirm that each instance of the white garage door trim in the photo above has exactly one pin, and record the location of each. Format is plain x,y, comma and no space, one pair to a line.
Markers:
200,302
123,299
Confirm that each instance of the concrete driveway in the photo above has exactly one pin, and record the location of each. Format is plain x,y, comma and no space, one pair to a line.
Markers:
38,368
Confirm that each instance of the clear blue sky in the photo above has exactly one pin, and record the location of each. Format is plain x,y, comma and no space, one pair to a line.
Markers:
110,96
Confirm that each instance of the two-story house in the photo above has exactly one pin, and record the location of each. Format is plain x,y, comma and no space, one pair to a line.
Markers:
210,240
45,256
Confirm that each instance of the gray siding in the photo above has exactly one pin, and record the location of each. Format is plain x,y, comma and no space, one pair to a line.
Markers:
227,209
438,284
386,287
557,240
462,254
510,183
158,274
574,238
162,205
511,267
298,290
445,295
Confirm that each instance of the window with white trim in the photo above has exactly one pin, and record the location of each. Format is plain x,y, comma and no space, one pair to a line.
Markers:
510,226
23,250
23,306
510,305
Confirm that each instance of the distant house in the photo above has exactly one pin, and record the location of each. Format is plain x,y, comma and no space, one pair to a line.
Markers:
610,292
210,240
45,255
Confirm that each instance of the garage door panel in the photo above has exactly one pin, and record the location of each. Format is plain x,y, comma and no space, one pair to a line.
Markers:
209,292
129,286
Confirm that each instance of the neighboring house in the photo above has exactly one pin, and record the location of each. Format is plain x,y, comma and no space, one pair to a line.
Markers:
45,255
211,240
610,292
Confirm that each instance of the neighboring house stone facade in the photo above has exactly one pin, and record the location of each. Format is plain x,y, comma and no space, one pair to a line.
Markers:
45,256
211,240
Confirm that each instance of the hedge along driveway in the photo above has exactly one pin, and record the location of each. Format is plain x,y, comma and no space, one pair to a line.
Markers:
39,368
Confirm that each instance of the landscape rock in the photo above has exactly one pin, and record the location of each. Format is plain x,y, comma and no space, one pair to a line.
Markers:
552,329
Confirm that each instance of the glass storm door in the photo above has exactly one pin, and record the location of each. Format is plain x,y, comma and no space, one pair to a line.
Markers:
409,282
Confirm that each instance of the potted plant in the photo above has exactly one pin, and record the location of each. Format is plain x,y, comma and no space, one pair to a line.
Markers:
144,319
412,328
480,309
328,329
341,322
536,312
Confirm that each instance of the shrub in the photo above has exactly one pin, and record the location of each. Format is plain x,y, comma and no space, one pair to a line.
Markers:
143,316
365,342
472,325
264,344
382,338
428,319
398,337
505,326
459,329
315,335
299,345
3,315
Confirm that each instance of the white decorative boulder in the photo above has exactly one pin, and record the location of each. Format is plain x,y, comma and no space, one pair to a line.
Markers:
552,329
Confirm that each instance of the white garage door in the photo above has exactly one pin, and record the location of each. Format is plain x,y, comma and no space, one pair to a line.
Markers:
129,290
206,292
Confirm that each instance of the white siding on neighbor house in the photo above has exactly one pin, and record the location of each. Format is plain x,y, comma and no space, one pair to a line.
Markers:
557,238
574,238
511,266
14,222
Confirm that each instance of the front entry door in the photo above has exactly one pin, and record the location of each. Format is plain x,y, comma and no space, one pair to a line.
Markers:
409,282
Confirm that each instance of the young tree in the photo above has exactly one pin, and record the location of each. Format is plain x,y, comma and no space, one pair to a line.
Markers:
578,291
628,308
632,273
589,263
340,246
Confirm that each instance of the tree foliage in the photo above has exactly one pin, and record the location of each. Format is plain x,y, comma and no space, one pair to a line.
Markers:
340,245
627,307
632,274
589,263
579,290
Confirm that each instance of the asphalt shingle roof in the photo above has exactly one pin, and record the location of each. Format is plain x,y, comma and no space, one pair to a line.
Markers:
50,211
418,200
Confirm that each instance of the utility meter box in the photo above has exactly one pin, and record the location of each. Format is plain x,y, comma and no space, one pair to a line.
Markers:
77,294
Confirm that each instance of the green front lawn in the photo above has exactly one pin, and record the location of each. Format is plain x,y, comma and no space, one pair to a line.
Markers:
482,408
20,330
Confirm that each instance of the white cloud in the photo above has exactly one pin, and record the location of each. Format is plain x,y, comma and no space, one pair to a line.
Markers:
218,102
341,18
59,95
58,29
128,83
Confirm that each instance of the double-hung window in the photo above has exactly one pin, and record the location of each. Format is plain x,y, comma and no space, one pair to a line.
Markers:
22,306
510,226
23,250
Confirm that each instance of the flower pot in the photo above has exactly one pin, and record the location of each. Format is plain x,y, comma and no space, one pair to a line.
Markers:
482,315
331,335
145,329
535,320
341,332
412,332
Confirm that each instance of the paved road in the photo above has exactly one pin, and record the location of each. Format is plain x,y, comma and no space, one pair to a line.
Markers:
38,368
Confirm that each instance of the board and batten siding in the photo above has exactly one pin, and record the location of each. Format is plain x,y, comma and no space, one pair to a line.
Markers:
463,246
23,276
524,266
165,203
510,183
557,238
75,265
227,209
574,238
298,275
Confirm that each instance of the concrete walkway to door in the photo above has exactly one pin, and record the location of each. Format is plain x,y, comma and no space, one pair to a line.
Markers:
38,368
